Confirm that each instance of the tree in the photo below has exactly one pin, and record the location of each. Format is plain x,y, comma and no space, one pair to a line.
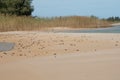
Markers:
95,17
16,7
114,19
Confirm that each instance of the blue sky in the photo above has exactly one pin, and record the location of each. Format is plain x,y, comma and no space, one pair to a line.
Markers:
100,8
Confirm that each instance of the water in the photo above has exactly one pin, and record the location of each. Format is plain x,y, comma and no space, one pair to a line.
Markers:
115,29
5,46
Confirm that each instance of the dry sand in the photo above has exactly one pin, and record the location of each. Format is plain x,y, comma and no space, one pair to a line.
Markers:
116,24
60,56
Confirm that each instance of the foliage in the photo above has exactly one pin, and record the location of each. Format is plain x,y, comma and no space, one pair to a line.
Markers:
16,7
114,19
95,17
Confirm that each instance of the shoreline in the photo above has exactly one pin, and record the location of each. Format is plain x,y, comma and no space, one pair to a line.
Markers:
115,24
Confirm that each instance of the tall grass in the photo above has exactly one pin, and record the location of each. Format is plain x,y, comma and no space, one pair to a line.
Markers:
23,23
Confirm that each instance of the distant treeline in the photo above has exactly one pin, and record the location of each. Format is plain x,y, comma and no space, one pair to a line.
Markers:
113,19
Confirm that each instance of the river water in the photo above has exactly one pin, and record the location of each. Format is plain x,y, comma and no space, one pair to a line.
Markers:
115,29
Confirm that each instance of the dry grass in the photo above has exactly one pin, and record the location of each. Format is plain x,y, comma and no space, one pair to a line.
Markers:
14,23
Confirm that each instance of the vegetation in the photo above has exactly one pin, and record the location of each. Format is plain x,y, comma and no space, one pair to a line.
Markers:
16,7
15,16
113,19
25,23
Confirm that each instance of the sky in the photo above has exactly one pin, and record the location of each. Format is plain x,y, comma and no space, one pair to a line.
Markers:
99,8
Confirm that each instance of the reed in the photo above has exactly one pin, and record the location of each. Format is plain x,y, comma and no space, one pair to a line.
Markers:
23,23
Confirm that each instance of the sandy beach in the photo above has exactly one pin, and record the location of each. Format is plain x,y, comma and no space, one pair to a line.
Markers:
60,56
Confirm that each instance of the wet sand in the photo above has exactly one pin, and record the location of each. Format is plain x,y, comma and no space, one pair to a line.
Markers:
60,56
5,46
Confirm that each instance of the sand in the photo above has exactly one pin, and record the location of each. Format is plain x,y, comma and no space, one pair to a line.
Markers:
60,56
116,24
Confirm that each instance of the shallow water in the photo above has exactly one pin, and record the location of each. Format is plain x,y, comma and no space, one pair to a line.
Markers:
115,29
5,46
